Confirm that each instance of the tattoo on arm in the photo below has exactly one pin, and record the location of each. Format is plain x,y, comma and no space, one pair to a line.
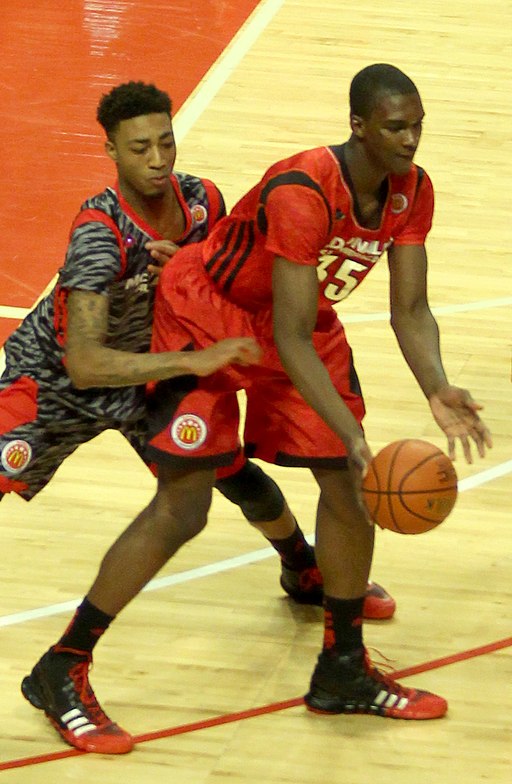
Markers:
87,318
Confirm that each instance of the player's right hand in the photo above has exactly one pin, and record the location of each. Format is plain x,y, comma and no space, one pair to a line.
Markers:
456,413
231,351
161,252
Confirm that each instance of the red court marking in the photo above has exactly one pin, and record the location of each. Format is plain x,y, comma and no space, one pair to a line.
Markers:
444,661
57,60
7,326
263,710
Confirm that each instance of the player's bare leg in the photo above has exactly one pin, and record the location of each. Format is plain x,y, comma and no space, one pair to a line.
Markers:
344,539
59,684
280,528
264,506
177,513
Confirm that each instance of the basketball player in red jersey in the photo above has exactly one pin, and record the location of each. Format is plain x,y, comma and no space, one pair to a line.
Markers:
299,242
77,366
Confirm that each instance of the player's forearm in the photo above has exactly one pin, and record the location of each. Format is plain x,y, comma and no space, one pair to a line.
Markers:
105,367
418,338
311,379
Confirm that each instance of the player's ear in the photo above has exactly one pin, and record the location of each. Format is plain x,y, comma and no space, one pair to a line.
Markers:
357,125
110,149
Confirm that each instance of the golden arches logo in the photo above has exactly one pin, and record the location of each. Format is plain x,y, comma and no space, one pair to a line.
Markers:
189,434
15,456
188,431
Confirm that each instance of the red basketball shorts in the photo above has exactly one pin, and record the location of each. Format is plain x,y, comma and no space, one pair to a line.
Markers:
196,420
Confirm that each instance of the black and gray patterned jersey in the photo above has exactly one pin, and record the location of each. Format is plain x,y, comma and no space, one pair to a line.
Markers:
106,255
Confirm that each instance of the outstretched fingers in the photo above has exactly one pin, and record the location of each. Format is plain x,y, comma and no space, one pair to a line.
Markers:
455,412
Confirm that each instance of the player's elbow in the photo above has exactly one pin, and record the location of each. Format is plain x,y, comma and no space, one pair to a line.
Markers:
79,379
79,370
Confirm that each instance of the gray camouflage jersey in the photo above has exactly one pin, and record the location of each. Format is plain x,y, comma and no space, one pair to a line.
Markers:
106,255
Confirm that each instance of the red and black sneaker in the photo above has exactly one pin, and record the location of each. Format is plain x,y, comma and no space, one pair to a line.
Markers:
306,587
378,604
59,686
351,684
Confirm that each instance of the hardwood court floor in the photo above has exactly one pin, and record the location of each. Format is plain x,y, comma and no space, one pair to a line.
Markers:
216,636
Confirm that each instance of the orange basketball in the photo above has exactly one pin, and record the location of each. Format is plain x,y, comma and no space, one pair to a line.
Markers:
410,487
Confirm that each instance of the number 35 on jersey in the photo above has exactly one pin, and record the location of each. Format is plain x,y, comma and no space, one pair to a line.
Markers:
343,265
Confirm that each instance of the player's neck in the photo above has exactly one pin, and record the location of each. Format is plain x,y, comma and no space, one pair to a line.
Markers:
163,213
366,177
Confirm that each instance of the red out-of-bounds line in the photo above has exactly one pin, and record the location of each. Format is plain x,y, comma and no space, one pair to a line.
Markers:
262,710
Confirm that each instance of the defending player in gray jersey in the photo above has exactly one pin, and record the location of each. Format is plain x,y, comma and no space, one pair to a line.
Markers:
48,416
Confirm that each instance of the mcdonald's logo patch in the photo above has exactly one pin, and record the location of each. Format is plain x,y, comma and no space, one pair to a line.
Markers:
199,213
188,431
15,456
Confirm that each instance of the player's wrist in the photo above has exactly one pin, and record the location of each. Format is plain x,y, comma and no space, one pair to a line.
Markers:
435,387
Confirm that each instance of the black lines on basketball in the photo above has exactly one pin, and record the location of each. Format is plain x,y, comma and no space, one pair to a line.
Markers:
410,486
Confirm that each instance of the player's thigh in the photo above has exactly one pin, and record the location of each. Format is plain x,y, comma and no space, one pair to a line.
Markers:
282,428
338,490
198,429
184,496
36,436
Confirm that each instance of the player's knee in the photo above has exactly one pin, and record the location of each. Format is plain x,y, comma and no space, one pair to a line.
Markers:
256,493
169,531
179,511
190,525
339,496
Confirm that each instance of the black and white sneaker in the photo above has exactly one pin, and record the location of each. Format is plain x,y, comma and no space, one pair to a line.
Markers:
351,684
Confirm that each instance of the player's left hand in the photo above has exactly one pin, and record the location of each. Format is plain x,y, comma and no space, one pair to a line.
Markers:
455,412
161,251
359,458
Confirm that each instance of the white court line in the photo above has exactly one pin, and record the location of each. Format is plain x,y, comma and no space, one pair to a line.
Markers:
230,563
220,71
440,310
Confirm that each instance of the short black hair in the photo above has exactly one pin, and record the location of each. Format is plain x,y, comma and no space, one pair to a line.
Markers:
369,84
128,100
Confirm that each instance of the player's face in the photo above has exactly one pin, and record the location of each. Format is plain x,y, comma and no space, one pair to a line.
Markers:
144,152
392,132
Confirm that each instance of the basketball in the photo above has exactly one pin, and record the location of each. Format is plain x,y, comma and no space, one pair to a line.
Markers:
410,486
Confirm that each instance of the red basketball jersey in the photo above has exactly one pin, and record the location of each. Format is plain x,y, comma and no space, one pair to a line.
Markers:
304,210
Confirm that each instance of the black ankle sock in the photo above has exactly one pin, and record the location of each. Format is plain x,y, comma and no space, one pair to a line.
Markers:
295,552
343,624
84,630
